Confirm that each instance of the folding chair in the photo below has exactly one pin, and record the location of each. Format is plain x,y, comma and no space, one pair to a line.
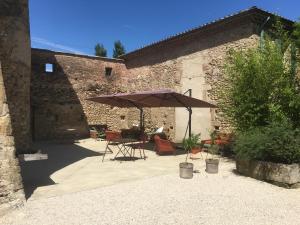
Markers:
112,137
140,146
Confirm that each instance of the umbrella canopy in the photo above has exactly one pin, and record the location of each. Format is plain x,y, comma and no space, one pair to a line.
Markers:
116,100
160,98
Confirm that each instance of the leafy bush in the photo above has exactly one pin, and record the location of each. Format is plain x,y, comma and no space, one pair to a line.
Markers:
213,149
263,84
296,34
278,143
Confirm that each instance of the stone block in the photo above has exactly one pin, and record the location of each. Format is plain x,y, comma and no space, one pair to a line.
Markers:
3,109
2,92
5,125
287,175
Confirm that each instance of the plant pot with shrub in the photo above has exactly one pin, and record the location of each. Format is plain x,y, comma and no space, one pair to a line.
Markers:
212,163
190,145
270,153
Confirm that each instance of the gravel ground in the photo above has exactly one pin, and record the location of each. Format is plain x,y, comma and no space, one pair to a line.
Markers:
224,198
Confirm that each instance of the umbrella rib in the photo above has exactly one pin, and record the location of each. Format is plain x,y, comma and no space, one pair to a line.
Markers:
180,102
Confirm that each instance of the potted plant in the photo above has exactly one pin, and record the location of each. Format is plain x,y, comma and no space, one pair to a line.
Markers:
191,143
185,168
212,163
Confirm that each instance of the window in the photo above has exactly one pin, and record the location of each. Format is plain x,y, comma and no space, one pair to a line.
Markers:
49,68
108,71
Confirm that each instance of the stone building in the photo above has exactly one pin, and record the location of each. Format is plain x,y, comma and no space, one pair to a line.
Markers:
15,66
190,60
50,101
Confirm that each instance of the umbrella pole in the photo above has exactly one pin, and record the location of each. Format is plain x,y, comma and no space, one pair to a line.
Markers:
141,119
190,115
190,121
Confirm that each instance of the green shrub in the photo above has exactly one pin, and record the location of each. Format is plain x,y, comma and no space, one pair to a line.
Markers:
191,142
278,143
263,85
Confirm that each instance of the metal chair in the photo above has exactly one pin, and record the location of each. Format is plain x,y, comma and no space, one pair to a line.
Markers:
111,137
140,146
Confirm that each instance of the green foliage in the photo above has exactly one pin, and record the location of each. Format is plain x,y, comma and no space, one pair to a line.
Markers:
100,50
213,149
264,87
280,35
119,49
262,99
296,34
277,143
191,142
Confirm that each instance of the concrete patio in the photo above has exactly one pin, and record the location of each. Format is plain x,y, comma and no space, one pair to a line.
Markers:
78,167
75,187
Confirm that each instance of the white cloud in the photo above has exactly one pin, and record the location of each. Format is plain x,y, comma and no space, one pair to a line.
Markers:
55,45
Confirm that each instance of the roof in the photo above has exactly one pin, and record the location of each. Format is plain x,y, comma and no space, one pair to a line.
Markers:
253,11
76,55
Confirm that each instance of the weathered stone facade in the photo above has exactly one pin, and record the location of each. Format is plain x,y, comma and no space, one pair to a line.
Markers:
52,103
192,60
58,99
194,64
14,98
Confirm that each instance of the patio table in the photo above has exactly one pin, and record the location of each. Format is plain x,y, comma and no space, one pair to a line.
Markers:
125,147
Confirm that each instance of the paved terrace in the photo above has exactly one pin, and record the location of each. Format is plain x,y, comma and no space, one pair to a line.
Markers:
74,187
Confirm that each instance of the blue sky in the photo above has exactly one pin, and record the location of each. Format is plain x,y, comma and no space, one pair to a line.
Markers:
77,25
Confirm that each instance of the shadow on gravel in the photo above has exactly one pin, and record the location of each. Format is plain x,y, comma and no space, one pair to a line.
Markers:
37,173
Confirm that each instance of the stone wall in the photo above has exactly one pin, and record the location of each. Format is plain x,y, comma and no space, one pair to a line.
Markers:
15,57
194,62
58,99
14,99
59,104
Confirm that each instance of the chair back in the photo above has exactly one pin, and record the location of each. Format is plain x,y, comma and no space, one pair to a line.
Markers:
144,138
112,135
162,145
156,139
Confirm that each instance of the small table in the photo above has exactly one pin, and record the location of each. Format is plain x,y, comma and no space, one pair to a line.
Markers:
124,146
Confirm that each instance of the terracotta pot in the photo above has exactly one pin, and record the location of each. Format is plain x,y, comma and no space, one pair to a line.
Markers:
195,150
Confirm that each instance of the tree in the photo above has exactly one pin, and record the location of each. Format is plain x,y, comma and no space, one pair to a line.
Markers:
263,86
119,49
296,34
100,50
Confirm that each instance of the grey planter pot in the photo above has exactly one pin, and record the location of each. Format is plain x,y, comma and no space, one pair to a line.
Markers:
186,170
212,165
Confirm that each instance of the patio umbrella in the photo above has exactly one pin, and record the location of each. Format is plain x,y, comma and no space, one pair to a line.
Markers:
151,99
